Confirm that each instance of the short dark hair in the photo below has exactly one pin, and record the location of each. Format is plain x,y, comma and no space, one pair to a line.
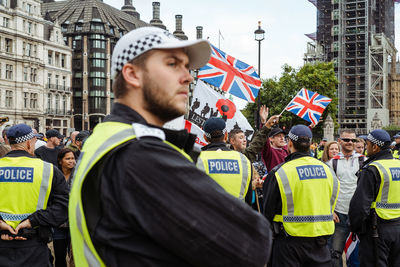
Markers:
233,133
347,130
119,84
302,144
61,155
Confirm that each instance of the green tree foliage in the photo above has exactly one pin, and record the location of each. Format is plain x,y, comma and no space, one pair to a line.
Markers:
277,93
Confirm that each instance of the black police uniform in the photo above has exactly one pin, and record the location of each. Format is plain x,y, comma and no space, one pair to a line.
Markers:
34,251
385,250
299,251
158,209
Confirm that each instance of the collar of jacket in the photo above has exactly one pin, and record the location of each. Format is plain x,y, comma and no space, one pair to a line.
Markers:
216,146
296,155
122,113
18,153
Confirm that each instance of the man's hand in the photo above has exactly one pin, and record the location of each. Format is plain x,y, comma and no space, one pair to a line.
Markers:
23,224
6,227
335,218
263,114
272,121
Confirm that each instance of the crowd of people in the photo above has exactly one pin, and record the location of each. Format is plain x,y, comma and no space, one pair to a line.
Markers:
140,196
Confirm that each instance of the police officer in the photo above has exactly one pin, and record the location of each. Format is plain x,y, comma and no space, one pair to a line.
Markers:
34,197
229,168
375,207
299,199
137,198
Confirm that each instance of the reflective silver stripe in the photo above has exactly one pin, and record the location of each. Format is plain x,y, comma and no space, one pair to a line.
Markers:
14,217
245,170
385,187
44,185
308,219
381,205
200,164
334,189
288,191
90,257
116,138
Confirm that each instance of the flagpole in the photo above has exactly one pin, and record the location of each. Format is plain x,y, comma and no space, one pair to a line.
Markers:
280,114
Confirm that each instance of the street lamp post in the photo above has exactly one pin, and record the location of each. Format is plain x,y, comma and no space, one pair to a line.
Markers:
259,36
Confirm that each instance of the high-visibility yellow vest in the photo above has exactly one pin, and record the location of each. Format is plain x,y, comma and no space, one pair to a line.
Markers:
387,203
106,136
309,191
396,154
25,185
320,152
230,169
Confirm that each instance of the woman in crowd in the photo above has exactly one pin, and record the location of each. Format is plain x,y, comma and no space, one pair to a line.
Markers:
61,238
330,150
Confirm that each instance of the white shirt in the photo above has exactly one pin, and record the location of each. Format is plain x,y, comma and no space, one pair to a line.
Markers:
346,173
39,143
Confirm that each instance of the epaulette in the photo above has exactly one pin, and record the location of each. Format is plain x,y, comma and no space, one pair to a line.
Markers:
142,130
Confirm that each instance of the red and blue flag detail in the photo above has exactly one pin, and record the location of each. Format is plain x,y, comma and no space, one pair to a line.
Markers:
231,75
308,105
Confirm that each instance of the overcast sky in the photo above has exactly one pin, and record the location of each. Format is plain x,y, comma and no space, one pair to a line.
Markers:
285,23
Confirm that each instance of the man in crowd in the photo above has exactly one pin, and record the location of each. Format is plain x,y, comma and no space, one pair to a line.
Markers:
320,149
229,168
73,146
374,212
49,152
39,141
116,215
345,165
275,149
34,197
396,149
238,141
299,198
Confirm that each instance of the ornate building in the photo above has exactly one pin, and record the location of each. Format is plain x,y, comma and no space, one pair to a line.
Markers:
26,41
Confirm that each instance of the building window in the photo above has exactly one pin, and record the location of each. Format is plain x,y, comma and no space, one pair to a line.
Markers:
28,8
33,77
6,22
25,74
28,50
99,27
34,50
64,27
9,99
9,71
26,100
57,80
98,44
57,37
63,60
50,57
30,27
78,27
48,80
100,63
64,104
64,82
49,102
77,42
34,101
57,103
8,45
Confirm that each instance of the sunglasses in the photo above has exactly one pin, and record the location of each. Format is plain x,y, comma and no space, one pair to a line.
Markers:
347,140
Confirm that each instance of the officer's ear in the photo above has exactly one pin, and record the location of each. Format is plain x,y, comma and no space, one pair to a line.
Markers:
206,138
225,137
132,75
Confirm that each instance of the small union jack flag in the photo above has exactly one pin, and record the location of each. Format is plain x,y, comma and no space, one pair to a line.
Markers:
308,105
231,75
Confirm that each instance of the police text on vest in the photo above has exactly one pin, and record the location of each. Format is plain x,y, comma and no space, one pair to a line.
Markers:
230,166
311,172
16,174
395,174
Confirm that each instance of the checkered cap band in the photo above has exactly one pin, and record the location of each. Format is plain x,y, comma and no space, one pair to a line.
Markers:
293,136
139,47
24,138
375,141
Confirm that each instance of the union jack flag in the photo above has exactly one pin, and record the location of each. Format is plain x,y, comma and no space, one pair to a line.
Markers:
231,75
308,105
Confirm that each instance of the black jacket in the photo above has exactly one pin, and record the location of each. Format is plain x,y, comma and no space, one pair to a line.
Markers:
223,146
158,209
56,212
368,184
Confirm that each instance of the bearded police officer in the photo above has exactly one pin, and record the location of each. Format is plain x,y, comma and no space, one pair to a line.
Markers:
137,198
34,197
375,207
229,168
299,199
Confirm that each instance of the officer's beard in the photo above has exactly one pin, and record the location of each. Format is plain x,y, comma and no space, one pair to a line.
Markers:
156,103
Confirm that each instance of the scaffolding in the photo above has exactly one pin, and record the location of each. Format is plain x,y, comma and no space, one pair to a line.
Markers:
358,36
